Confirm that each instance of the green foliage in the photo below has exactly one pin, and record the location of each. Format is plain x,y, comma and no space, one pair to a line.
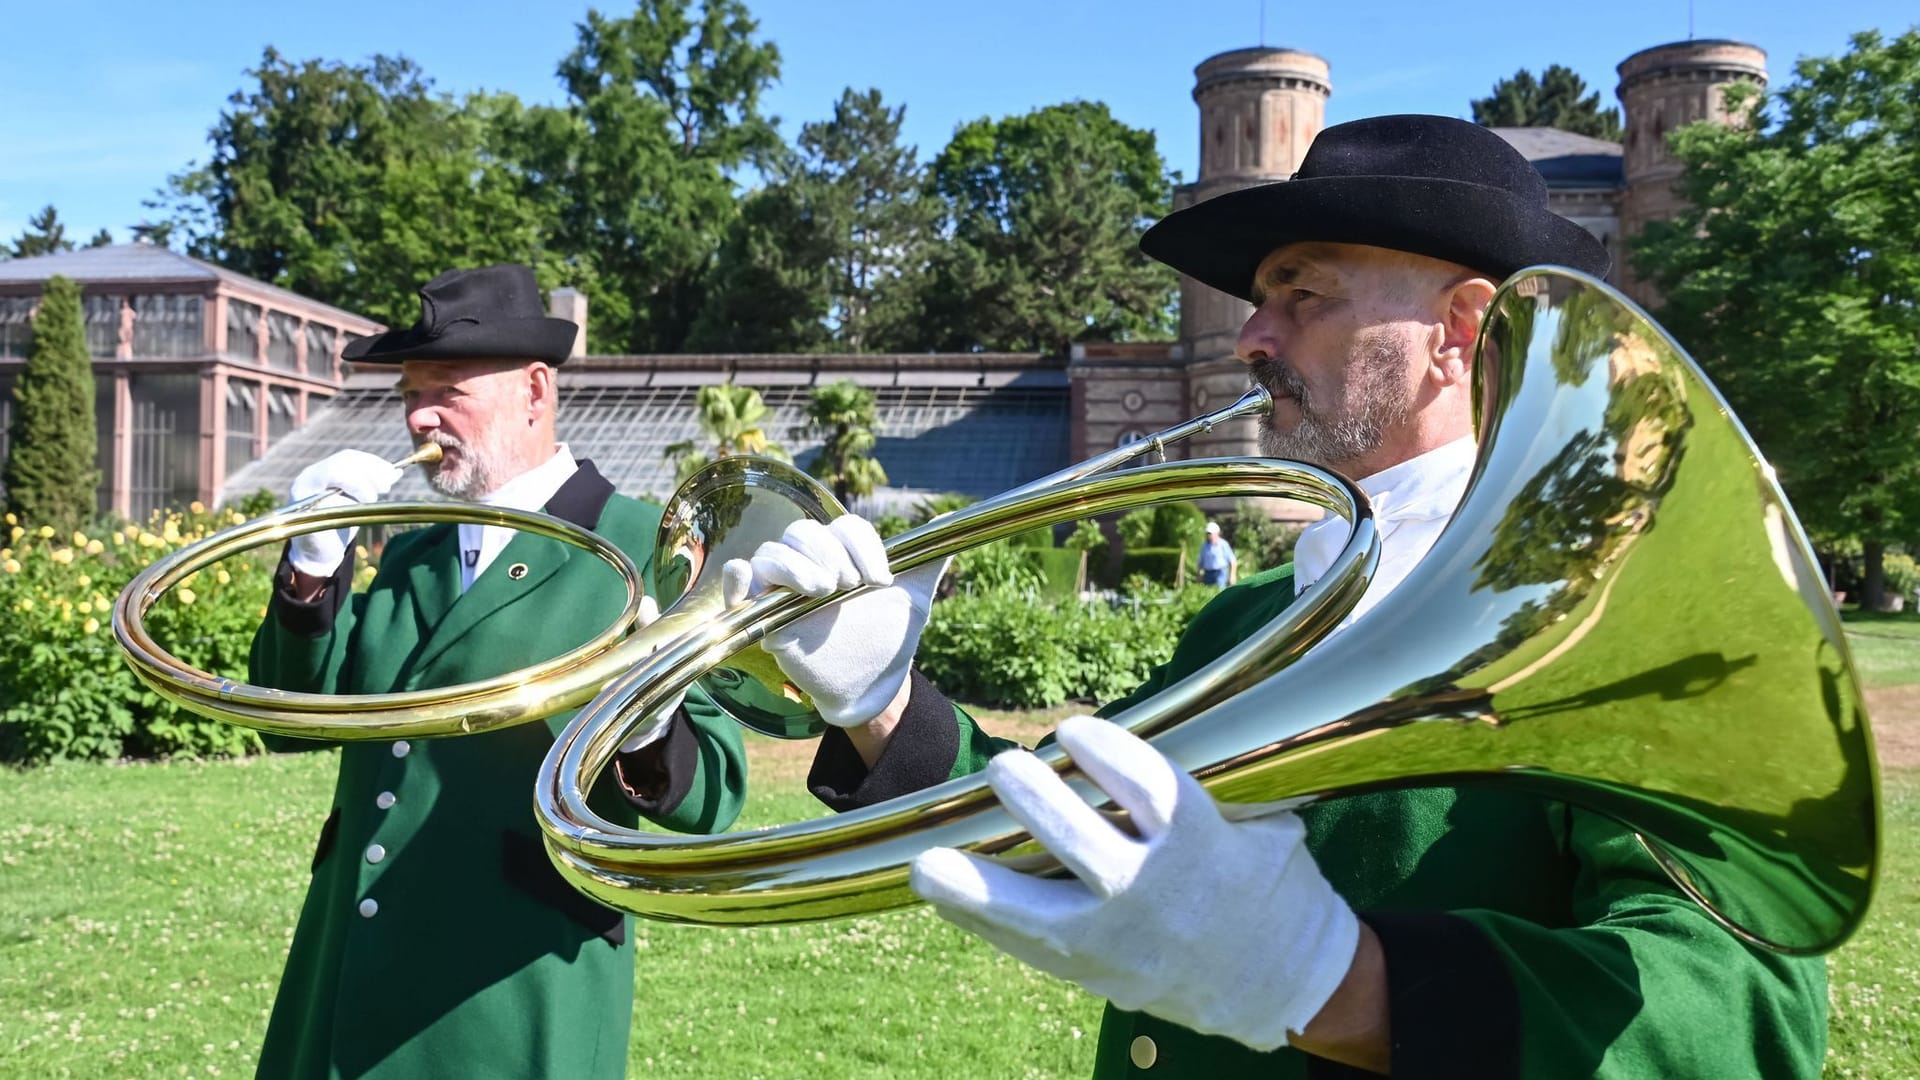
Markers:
1043,214
1160,565
45,234
997,567
354,184
1558,99
1794,279
843,415
730,419
1260,542
1163,525
817,257
1060,571
935,505
66,692
1005,649
663,108
50,476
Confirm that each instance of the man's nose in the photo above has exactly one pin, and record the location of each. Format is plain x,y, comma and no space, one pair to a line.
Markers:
422,420
1259,336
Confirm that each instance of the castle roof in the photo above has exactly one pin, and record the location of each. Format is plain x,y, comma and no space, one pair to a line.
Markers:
1565,159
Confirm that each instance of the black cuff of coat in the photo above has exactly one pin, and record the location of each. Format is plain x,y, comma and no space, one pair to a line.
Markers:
920,754
656,778
309,618
1453,1006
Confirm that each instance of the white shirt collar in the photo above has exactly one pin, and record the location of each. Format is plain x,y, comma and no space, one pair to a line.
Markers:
531,490
1412,503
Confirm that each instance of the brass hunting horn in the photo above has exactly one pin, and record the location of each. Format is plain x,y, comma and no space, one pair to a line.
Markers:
1623,615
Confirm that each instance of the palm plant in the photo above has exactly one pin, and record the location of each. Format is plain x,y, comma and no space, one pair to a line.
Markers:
843,415
730,418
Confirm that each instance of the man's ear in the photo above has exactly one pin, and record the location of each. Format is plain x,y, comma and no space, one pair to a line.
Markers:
1464,308
541,388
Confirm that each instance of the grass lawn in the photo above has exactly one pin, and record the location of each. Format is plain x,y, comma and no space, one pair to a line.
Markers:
1885,647
145,912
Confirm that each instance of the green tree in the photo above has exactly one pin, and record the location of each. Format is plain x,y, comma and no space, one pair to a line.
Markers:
818,257
843,414
354,184
731,419
663,108
1794,278
49,474
1043,215
45,234
100,239
1558,99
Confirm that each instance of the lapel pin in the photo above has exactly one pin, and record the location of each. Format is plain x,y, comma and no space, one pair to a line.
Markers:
517,571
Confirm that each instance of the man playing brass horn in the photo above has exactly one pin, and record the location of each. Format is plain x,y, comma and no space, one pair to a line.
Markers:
1457,932
436,939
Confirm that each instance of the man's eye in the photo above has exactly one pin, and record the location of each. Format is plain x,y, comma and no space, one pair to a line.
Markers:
1301,295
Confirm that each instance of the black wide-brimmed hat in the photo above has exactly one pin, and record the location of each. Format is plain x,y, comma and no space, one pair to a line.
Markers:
1430,185
492,313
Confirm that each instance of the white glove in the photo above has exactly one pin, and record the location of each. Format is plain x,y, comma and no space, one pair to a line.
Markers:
645,733
851,657
361,478
1220,926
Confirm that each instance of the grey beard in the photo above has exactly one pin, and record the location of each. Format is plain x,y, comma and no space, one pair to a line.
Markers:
1337,440
473,477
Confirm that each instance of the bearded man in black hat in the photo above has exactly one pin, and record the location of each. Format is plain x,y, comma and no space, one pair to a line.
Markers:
1438,932
436,939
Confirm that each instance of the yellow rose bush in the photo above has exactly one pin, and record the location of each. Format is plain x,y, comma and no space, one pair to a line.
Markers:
65,691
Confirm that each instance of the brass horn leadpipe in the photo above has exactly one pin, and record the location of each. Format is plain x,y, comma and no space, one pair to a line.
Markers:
1623,616
483,705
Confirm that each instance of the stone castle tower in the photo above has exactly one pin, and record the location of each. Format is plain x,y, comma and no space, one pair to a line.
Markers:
1661,89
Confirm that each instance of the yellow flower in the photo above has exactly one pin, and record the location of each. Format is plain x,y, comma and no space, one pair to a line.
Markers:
27,605
118,540
79,539
46,532
6,553
131,531
171,534
83,581
15,534
63,556
90,626
101,604
197,506
11,520
222,577
95,547
186,596
147,539
10,566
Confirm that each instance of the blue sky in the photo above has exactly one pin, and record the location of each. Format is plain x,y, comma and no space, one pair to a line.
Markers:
101,101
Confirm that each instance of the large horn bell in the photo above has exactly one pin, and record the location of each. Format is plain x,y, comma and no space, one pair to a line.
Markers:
1624,614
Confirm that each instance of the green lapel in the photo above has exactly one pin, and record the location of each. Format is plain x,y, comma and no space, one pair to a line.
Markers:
433,580
496,588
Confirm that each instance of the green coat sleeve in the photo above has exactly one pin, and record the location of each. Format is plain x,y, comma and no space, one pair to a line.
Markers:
302,647
692,781
1644,984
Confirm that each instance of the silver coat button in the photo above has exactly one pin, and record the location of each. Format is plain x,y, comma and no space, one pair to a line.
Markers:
369,908
384,800
401,748
375,853
1143,1053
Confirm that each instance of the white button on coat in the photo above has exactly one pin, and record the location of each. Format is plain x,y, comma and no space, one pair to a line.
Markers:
375,853
1143,1053
384,800
369,908
401,748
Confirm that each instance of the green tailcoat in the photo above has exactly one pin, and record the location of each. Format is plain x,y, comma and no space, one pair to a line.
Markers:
436,939
1523,937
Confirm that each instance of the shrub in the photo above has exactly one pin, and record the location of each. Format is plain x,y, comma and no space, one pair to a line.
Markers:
1160,565
1004,650
998,566
65,691
1260,542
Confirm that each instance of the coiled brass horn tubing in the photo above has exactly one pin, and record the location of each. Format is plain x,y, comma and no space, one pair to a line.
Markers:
516,697
588,742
